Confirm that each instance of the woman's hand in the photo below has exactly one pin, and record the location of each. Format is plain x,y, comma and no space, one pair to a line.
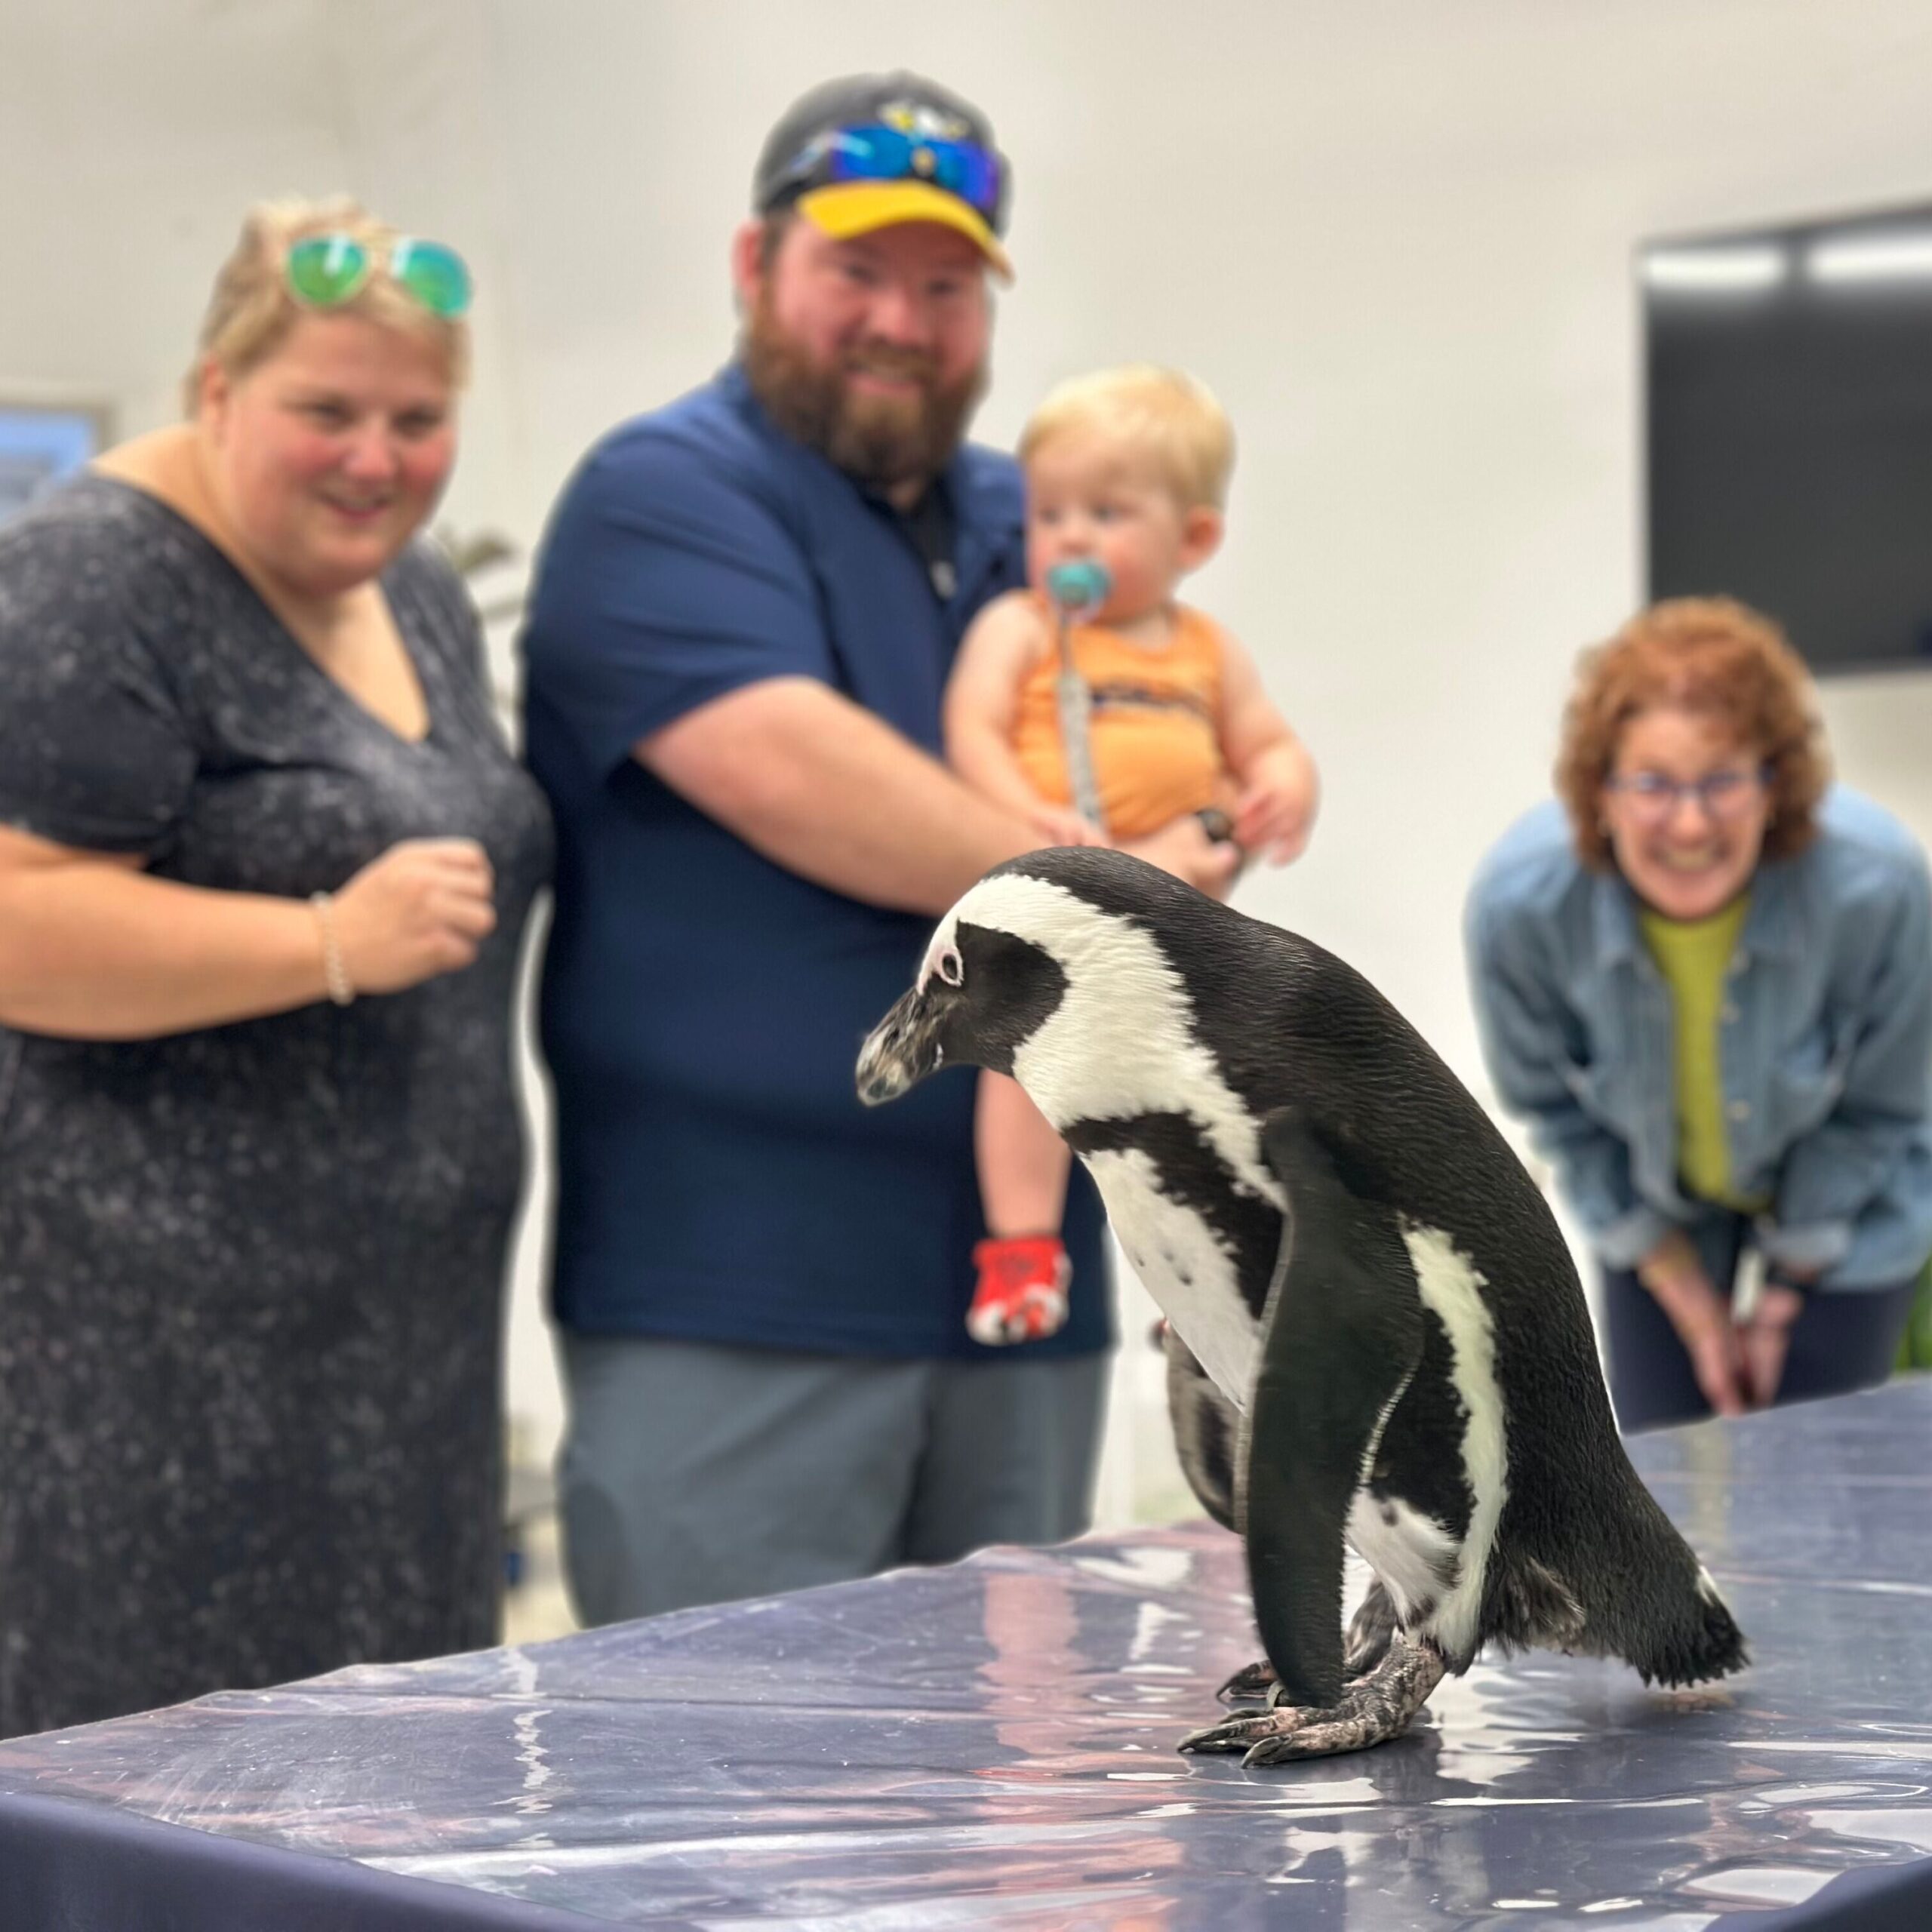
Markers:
1675,1278
1766,1339
422,909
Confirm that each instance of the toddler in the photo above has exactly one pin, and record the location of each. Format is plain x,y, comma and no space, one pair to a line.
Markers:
1128,470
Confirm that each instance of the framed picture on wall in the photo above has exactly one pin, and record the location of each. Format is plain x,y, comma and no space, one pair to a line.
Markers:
42,442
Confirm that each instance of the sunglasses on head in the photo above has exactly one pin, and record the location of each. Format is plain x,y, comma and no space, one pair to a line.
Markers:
877,153
325,271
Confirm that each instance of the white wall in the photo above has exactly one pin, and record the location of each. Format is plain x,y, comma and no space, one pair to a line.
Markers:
1396,236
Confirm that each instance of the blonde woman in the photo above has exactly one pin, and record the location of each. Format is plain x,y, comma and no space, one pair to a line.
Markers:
264,862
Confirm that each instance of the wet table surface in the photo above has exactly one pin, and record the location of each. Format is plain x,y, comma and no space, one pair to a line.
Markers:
993,1743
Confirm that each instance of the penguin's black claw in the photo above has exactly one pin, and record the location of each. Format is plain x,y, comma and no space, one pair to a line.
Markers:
1253,1683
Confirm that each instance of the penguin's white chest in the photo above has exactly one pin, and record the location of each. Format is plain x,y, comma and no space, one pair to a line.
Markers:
1184,1268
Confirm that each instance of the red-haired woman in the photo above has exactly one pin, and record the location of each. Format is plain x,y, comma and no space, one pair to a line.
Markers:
1704,979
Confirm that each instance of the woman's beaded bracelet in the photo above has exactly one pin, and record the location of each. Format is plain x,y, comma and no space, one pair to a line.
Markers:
335,975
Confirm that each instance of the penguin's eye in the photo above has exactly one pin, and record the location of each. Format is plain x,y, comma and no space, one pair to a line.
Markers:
951,968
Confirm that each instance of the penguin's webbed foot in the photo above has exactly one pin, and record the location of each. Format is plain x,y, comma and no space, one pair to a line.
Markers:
1371,1711
1284,1731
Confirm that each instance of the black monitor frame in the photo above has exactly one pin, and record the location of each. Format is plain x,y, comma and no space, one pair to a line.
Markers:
1788,405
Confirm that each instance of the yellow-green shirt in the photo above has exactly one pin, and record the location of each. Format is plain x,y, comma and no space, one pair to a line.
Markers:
1692,955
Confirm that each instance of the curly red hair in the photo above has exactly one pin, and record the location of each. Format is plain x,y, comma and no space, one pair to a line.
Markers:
1707,654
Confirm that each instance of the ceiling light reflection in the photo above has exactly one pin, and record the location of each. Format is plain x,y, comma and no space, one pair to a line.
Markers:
1904,256
1727,270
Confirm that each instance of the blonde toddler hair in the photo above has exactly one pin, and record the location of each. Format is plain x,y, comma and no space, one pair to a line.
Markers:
251,310
1162,417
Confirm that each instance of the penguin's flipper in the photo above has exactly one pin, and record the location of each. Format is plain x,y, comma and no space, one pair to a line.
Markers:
1343,1335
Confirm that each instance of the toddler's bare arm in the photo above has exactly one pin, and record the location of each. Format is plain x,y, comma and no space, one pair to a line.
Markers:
1280,790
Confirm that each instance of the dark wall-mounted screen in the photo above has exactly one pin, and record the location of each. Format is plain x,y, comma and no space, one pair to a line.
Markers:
1790,430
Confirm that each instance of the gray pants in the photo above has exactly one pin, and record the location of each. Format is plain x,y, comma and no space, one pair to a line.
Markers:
694,1474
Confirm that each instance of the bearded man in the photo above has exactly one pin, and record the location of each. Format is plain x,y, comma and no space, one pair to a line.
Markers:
745,612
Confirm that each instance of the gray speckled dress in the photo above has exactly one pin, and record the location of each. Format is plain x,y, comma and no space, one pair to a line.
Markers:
250,1277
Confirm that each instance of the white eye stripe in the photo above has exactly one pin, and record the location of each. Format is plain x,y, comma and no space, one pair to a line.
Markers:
1102,1055
944,940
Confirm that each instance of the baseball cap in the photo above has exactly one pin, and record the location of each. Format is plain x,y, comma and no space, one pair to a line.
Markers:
870,150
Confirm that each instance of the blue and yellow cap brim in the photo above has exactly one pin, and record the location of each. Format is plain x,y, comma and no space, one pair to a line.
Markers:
857,207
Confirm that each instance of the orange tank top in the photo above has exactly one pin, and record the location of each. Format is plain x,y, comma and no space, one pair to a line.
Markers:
1155,729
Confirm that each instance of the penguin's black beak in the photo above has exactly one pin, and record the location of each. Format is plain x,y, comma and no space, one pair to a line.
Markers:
901,1050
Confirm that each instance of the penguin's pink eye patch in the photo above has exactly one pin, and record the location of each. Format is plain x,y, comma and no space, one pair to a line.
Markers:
951,967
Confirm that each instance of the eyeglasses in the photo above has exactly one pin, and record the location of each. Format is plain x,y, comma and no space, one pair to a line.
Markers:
325,271
964,169
1652,799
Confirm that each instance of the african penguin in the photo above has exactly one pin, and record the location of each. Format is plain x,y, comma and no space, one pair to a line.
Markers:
1377,1333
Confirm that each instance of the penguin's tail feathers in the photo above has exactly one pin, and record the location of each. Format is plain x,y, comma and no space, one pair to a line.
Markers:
1646,1599
1691,1638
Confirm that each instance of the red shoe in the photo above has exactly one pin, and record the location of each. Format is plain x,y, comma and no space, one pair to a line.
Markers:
1022,1292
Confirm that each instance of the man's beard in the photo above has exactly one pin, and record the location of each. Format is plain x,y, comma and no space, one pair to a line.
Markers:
883,442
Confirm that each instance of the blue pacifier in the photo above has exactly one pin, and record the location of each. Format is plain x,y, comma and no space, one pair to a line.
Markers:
1082,585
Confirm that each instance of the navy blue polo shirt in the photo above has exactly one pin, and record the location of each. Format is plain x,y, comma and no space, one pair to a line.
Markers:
701,1006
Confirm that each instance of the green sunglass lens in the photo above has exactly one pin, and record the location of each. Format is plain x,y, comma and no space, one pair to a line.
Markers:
435,275
327,269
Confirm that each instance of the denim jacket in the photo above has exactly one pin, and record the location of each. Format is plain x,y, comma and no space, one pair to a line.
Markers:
1824,1043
